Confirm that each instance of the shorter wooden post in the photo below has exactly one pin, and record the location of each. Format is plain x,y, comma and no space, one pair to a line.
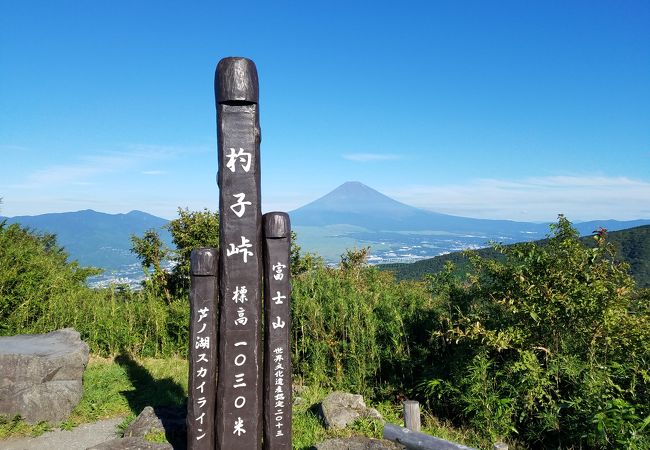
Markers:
412,415
277,325
203,349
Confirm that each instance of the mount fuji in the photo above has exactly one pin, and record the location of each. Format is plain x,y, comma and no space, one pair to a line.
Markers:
354,203
354,215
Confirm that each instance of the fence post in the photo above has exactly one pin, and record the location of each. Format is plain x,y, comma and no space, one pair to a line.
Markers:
239,388
412,415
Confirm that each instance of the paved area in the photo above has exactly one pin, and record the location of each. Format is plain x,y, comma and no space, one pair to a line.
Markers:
79,438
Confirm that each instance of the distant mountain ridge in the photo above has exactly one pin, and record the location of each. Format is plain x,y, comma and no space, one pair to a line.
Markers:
354,203
351,215
95,238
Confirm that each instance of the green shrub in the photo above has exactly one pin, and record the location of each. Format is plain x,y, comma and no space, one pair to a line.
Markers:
551,344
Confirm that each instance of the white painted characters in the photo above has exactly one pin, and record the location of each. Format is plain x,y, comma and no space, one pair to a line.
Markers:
277,268
278,298
279,396
241,248
243,157
239,427
239,294
278,323
239,208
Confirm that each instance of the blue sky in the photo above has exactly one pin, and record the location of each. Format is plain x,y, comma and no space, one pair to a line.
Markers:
496,109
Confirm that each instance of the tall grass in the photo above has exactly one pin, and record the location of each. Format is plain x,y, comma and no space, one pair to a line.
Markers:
350,327
115,321
112,320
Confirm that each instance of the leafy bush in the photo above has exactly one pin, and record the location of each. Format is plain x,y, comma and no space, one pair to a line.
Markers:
192,229
551,344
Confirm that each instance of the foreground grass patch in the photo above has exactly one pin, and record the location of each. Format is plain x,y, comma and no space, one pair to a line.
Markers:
123,386
308,428
116,387
15,426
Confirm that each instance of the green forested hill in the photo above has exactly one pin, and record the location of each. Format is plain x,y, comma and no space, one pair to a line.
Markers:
632,246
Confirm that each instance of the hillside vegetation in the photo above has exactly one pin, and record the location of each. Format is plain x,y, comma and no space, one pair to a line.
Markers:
546,346
632,246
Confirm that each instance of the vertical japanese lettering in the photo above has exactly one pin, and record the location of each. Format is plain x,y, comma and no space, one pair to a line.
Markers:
277,362
239,404
203,351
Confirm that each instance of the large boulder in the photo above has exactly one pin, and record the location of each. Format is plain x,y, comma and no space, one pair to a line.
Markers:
41,375
339,409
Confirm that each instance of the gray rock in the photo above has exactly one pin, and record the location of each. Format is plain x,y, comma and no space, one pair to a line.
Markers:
162,419
146,422
169,420
131,443
339,409
358,443
41,375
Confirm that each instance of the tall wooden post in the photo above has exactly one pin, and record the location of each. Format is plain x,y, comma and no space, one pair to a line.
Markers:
277,326
201,395
239,388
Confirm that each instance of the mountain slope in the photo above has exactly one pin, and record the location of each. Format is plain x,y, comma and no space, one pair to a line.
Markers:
95,238
632,246
354,203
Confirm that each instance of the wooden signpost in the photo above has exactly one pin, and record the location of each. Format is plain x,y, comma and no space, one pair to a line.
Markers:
246,403
239,387
202,385
277,326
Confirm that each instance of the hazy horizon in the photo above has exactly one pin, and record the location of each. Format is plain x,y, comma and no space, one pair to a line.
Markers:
513,110
311,201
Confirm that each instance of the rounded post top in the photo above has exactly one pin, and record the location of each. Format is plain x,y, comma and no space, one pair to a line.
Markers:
236,81
277,225
203,261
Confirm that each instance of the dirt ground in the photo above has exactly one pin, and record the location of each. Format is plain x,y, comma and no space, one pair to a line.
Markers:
79,438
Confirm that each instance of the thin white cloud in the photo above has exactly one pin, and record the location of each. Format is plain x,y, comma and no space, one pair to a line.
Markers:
165,151
536,199
154,172
367,157
12,148
81,171
84,169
